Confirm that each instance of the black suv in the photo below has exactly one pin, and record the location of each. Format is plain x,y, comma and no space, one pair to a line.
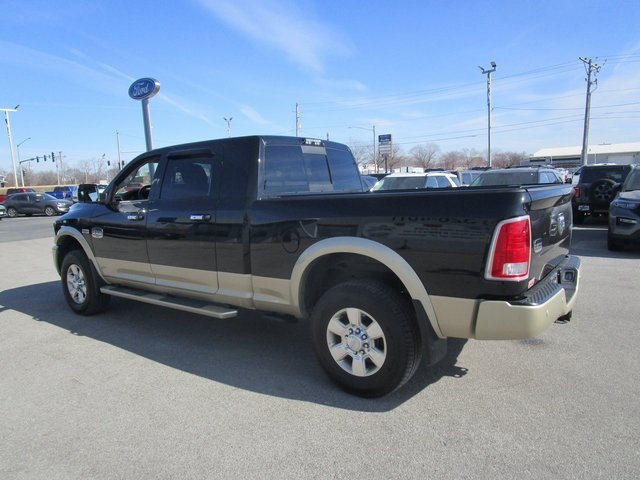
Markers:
596,189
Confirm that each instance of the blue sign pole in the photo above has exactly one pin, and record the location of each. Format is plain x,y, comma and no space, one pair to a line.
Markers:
143,89
147,124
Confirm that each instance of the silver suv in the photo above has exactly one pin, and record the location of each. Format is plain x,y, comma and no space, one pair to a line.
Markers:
404,181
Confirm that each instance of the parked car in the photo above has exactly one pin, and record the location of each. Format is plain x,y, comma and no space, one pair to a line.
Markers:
596,189
409,181
517,176
3,212
12,190
575,175
624,213
35,203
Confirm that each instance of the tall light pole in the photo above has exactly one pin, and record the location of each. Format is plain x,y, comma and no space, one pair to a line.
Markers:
488,74
13,160
20,163
228,120
374,146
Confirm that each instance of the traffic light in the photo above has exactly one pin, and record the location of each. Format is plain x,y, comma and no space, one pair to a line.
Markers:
53,157
37,159
44,158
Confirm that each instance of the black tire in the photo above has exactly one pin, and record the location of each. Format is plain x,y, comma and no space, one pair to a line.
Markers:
613,245
12,212
81,284
372,333
49,211
603,191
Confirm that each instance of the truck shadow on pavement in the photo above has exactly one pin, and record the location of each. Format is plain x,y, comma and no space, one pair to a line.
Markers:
249,352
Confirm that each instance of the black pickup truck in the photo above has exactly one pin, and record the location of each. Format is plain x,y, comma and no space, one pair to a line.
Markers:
284,225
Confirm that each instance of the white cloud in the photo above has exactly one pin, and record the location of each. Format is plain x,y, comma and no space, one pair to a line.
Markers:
281,25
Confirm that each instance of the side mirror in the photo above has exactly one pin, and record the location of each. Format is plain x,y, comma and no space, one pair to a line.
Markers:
88,193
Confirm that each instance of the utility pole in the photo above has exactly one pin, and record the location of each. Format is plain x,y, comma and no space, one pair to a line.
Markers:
19,162
375,158
62,176
297,119
488,74
591,68
118,143
6,120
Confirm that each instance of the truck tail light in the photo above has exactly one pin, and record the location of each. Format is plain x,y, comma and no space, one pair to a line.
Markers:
510,252
576,192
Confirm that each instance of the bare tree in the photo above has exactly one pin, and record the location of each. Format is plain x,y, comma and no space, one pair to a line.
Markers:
508,159
424,156
451,160
363,155
472,158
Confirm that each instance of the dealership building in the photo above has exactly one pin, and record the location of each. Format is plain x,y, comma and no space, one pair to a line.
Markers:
570,157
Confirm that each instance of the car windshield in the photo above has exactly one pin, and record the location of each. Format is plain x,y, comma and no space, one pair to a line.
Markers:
46,196
633,181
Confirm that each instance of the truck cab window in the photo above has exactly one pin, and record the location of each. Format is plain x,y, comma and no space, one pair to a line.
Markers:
309,169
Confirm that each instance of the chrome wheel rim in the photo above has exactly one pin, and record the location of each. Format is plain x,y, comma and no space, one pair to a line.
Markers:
356,342
76,284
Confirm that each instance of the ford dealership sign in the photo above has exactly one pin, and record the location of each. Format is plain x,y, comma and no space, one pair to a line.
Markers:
144,88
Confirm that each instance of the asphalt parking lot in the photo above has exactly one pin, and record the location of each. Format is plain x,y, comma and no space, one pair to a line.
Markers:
147,393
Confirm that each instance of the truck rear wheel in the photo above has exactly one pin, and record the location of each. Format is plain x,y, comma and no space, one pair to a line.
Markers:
366,337
80,284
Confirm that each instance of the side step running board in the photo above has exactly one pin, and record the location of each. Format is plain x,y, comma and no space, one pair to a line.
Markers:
177,303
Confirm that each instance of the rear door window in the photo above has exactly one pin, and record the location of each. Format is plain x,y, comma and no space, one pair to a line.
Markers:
300,169
592,174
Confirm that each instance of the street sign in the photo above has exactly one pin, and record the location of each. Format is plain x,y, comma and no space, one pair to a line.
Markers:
384,139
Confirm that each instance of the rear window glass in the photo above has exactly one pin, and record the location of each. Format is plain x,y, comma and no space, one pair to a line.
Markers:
591,174
291,170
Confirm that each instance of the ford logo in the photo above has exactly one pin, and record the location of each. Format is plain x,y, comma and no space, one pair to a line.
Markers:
144,88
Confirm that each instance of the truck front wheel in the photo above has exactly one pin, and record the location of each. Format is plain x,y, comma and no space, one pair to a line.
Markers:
366,337
80,285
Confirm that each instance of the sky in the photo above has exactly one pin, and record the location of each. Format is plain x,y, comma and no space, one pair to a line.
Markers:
355,70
